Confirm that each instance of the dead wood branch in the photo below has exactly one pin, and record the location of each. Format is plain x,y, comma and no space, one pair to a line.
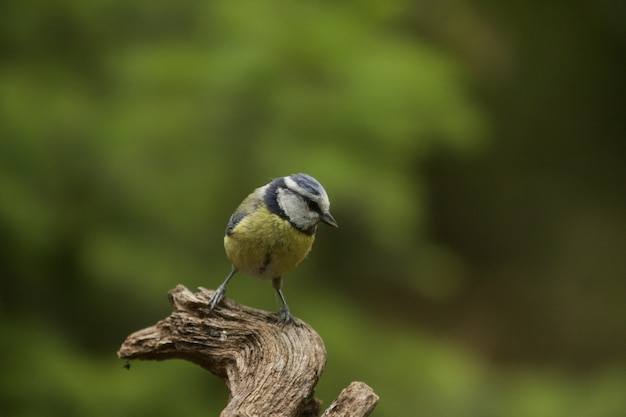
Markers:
270,369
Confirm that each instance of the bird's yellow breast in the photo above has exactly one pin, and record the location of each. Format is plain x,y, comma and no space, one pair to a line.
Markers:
264,245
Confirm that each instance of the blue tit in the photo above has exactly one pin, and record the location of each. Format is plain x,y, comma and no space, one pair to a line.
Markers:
273,229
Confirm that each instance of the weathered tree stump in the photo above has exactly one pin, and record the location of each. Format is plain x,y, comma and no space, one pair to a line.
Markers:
271,369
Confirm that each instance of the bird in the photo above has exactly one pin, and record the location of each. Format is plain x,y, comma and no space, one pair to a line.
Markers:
272,230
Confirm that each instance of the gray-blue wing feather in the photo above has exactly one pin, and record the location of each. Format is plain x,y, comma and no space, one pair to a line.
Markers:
234,221
248,206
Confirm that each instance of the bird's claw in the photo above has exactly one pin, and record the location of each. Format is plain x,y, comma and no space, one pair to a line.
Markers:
218,296
284,316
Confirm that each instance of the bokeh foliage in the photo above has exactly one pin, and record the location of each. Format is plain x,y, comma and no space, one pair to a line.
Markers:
129,131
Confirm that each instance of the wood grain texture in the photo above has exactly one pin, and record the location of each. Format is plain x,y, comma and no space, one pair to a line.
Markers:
356,400
271,369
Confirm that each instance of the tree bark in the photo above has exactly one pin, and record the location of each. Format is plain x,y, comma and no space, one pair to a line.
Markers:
271,369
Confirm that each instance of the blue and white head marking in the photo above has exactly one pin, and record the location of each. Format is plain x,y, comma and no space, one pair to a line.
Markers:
309,188
299,198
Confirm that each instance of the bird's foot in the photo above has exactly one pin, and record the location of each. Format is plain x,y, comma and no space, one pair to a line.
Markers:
218,296
284,316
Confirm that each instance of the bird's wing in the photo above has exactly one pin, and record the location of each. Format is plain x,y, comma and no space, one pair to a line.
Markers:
248,206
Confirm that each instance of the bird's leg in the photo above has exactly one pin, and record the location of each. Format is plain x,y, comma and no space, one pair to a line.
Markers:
218,296
284,313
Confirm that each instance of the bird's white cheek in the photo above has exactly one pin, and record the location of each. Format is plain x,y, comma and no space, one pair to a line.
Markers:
296,210
289,203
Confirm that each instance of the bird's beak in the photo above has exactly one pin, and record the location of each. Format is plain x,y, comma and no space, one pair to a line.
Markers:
329,219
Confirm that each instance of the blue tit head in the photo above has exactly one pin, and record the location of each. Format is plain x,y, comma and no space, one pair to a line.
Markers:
300,199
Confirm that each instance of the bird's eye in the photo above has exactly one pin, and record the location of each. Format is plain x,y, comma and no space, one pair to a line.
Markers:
313,205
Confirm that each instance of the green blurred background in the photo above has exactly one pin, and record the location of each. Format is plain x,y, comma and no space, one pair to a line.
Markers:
474,153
